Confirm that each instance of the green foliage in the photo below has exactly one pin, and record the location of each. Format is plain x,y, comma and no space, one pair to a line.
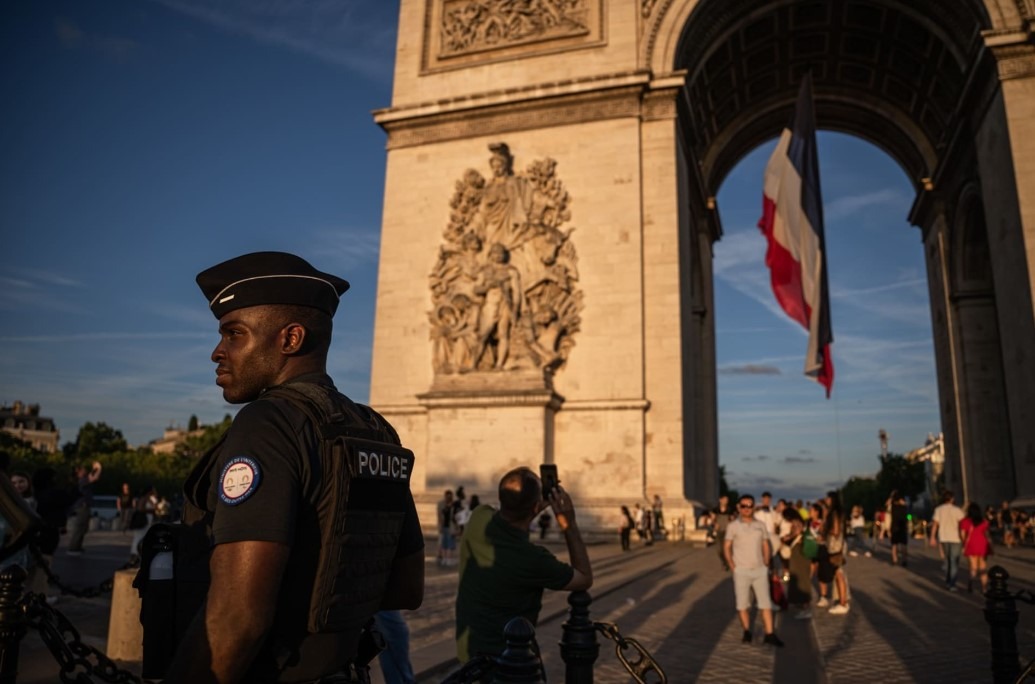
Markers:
93,440
898,473
28,459
195,446
862,491
140,467
192,424
895,473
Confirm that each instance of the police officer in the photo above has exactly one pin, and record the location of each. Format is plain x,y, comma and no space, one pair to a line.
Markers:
298,538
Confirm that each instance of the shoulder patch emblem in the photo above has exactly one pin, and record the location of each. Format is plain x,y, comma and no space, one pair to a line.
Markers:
239,480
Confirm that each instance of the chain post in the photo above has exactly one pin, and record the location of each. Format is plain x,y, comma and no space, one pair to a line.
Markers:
1001,615
519,663
579,647
13,624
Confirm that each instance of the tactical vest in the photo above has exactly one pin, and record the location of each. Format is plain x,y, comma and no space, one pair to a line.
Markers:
363,466
360,503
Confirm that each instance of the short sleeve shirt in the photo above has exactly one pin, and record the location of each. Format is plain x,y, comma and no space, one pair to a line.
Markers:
747,538
262,485
948,516
502,576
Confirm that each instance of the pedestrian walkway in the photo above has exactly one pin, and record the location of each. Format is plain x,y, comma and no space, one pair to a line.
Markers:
676,600
904,626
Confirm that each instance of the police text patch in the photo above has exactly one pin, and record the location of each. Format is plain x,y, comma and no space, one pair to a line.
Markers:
239,480
380,461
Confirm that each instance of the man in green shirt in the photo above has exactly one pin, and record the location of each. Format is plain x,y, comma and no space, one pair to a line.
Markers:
502,573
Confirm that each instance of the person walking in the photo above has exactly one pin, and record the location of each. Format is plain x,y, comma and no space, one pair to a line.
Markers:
899,529
977,545
945,530
857,540
124,505
749,555
85,480
831,567
625,528
396,667
446,525
659,516
720,524
798,567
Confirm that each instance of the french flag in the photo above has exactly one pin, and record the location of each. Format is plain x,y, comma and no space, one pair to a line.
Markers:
792,222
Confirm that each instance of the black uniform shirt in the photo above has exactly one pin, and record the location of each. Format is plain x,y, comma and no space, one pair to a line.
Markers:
261,484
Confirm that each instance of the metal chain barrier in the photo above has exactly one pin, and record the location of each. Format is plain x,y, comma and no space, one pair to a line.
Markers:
644,662
80,663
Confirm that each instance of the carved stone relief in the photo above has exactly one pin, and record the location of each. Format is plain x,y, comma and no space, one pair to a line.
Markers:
503,289
464,32
473,25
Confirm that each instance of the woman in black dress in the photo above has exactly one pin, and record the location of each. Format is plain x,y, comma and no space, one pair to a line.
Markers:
899,530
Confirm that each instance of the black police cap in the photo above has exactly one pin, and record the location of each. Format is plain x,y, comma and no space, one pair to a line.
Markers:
269,278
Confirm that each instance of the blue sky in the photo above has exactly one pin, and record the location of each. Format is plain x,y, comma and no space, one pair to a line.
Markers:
143,141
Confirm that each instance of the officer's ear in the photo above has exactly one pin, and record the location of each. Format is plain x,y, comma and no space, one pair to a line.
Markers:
292,338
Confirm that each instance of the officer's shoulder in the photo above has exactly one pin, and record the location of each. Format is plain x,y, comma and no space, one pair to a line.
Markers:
270,410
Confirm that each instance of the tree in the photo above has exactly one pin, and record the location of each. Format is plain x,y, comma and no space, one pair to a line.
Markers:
896,473
862,491
196,446
93,440
192,424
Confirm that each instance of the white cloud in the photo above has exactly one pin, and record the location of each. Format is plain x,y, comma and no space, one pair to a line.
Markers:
850,205
347,33
348,247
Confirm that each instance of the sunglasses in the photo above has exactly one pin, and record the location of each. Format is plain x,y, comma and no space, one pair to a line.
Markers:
745,505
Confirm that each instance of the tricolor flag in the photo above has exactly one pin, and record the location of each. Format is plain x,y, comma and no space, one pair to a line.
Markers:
792,222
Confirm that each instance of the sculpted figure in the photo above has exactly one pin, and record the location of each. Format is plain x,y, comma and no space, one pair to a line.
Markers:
500,284
514,306
506,201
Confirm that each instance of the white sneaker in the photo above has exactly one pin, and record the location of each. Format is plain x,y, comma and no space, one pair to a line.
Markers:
839,609
868,554
822,602
853,554
803,615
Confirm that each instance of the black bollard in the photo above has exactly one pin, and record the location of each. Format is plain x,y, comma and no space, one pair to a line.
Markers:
519,663
1001,615
12,621
579,647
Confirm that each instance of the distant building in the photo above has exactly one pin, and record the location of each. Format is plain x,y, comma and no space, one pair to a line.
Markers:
25,422
172,438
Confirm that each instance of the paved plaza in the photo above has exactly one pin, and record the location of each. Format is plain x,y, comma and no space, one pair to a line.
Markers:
675,599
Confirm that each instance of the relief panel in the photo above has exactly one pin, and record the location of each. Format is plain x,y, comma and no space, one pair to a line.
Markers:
461,33
503,288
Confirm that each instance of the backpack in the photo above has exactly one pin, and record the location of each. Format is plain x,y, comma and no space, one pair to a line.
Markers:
809,545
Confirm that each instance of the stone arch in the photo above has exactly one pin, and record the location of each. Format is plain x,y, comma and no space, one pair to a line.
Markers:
645,107
919,81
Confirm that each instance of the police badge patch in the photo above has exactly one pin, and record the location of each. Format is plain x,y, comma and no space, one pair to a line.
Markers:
239,480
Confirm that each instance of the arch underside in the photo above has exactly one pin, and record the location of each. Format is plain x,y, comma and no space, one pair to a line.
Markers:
892,73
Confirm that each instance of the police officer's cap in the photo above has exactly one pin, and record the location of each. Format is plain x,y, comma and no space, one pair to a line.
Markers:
269,278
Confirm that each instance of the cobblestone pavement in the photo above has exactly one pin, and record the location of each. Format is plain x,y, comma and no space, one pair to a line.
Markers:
904,626
677,601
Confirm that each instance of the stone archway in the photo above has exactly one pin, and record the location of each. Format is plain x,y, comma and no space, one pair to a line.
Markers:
587,339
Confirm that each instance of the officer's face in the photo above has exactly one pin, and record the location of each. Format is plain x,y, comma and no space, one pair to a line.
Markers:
247,356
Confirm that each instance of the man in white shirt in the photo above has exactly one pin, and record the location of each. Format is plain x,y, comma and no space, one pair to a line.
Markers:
945,528
765,514
749,554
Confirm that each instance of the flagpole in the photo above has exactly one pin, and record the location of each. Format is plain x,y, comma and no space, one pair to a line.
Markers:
837,440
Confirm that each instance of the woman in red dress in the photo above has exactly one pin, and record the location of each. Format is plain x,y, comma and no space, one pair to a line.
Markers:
977,545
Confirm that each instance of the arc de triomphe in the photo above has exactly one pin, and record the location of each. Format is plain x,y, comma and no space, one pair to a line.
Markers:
545,287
